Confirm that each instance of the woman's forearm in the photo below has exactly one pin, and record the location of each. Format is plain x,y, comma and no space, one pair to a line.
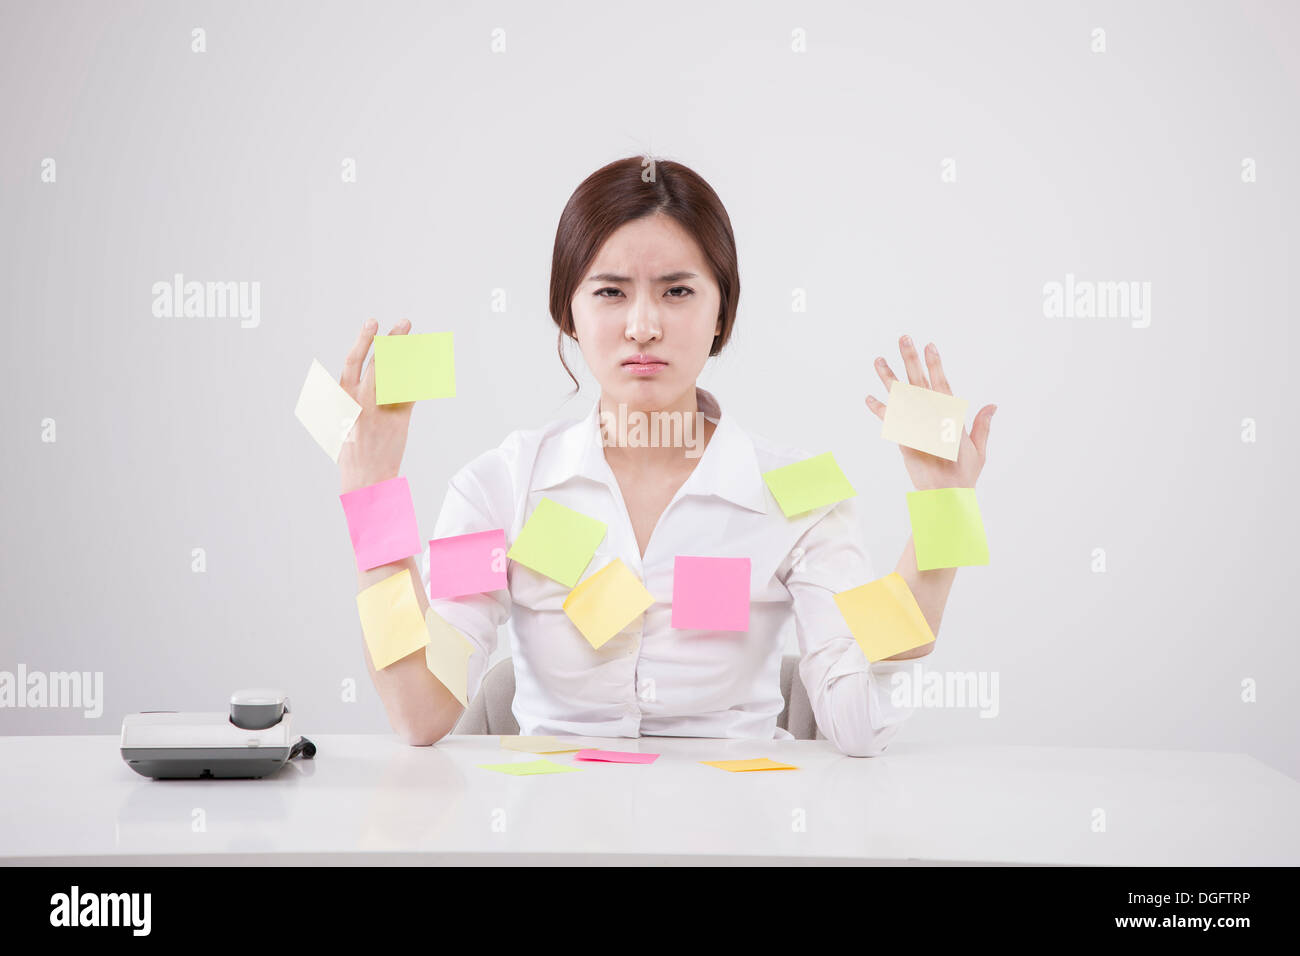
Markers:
930,588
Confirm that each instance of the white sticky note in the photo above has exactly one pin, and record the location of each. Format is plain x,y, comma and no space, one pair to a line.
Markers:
326,410
924,419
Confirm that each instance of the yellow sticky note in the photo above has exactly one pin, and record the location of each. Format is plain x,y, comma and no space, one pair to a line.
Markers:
947,529
607,602
884,618
537,745
808,484
761,763
326,410
390,619
557,541
447,655
409,368
529,768
924,419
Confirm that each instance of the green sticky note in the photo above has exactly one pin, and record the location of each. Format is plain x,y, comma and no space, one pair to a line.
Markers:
947,528
526,768
808,484
557,541
409,368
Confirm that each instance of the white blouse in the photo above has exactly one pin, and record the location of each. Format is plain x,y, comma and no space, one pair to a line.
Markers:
652,679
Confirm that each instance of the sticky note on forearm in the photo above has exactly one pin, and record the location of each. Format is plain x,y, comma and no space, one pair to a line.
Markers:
447,656
947,529
607,602
884,618
391,619
924,419
410,368
710,594
557,541
381,522
808,484
326,410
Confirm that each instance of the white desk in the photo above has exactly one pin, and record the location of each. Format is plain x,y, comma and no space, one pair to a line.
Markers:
375,800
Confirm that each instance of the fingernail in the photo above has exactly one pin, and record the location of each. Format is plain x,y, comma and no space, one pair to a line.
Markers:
907,340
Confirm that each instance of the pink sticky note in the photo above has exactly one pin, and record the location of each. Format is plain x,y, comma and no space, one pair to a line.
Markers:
381,521
615,756
711,594
467,564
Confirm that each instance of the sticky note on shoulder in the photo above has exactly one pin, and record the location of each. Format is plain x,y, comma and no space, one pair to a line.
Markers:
740,766
410,368
607,602
924,419
391,619
805,485
326,410
381,522
557,541
884,618
467,564
447,655
947,529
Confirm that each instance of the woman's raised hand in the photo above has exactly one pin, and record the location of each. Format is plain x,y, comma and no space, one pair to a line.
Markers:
374,449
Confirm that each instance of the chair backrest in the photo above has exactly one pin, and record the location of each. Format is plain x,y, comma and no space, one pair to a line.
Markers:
490,710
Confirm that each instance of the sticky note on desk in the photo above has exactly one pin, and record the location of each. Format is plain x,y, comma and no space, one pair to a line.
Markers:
447,655
537,745
381,522
615,756
947,529
710,594
761,763
410,368
607,602
924,419
467,564
557,541
326,410
528,768
391,619
884,618
808,484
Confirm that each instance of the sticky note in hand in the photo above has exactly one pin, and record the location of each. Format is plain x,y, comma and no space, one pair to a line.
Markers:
381,522
410,368
467,564
557,541
947,529
924,419
391,620
447,656
710,594
607,602
326,410
808,484
884,618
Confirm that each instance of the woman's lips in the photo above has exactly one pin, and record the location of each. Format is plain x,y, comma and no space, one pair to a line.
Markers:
645,368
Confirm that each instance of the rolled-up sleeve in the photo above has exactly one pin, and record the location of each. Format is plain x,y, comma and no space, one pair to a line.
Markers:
478,498
850,696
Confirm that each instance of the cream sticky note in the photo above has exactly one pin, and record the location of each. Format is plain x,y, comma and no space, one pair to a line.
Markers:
447,656
410,368
884,618
326,410
391,619
761,763
808,484
538,745
557,541
924,419
529,768
607,602
947,529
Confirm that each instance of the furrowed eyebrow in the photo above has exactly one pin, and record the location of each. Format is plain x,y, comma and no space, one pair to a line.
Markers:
670,277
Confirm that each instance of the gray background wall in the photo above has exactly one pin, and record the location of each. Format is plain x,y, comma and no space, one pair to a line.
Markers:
175,434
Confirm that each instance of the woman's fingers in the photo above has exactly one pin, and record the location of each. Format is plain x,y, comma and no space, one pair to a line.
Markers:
937,376
979,429
912,362
401,328
877,407
886,374
351,376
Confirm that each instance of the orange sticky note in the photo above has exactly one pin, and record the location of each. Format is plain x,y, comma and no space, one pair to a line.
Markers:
607,602
761,763
884,618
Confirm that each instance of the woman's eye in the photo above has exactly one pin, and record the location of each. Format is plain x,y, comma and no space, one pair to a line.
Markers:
688,291
600,292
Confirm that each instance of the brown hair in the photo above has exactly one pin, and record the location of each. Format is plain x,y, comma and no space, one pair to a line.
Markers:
619,193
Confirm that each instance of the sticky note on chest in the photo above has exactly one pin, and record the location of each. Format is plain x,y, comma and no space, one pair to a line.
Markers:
607,602
924,419
557,541
710,594
805,485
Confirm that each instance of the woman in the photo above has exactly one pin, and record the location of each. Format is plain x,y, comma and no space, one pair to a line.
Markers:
644,279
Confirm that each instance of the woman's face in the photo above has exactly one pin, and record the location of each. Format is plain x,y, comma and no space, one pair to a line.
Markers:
646,313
